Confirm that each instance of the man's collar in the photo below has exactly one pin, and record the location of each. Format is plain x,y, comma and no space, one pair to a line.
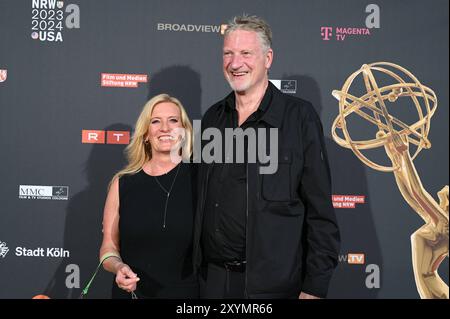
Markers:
275,110
230,100
272,113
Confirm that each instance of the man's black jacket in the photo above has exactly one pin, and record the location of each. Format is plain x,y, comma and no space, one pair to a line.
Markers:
292,237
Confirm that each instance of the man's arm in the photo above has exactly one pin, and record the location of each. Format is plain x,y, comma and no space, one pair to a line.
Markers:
322,240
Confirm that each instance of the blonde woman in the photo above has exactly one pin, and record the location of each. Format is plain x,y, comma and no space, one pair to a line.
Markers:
148,214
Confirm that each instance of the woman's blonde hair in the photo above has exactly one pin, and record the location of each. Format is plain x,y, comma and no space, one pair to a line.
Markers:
138,152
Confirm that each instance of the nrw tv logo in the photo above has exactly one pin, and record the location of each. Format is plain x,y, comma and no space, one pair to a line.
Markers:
43,192
98,137
3,249
285,86
353,258
47,18
3,75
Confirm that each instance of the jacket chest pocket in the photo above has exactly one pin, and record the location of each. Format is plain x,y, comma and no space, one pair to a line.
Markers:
277,186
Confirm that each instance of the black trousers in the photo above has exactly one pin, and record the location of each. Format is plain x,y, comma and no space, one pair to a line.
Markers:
216,282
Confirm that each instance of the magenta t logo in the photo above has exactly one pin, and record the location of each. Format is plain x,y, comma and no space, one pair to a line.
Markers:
326,33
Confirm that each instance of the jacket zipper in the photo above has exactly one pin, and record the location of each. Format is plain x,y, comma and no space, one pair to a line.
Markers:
202,211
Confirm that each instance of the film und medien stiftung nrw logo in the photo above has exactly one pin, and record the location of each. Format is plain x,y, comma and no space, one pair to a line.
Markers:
3,249
49,18
44,192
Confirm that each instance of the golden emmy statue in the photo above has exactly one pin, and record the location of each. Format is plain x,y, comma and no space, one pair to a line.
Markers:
430,242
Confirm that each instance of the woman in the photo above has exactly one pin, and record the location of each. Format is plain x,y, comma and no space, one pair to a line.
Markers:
148,215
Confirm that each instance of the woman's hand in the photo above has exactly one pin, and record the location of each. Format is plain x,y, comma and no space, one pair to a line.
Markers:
126,279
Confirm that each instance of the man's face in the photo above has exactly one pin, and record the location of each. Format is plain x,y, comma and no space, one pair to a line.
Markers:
245,63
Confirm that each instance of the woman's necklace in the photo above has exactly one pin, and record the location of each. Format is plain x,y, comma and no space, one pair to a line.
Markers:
167,192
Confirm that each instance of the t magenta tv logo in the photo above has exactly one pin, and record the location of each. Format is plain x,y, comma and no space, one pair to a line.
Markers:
326,33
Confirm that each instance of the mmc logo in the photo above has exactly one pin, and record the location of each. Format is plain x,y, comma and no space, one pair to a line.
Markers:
43,192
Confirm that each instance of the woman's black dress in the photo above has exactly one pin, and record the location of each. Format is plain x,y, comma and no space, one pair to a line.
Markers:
160,256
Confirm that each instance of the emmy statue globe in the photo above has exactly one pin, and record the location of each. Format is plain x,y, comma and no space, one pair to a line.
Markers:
429,243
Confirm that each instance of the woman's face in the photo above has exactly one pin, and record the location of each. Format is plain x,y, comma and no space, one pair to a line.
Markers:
164,131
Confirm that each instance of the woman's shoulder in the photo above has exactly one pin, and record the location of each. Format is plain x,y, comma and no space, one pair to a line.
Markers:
129,179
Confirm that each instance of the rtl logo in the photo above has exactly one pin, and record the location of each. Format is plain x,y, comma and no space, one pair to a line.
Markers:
3,249
98,137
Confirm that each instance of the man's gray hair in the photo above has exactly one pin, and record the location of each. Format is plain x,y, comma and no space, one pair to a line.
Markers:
252,23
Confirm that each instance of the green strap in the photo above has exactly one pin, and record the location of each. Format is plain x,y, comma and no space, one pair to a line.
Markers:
105,256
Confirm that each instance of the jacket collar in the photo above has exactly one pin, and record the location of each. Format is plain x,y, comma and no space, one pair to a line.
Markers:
275,111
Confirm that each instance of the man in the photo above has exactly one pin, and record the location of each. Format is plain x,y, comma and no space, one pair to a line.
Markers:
264,235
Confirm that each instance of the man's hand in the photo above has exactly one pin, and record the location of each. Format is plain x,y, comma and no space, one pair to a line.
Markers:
304,295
